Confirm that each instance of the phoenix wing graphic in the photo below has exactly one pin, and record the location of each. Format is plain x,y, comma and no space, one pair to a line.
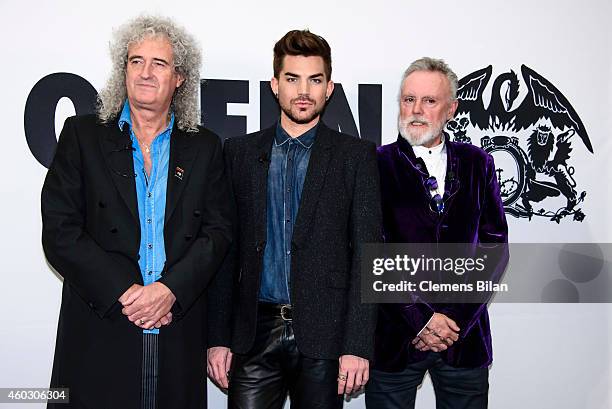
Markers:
469,94
545,100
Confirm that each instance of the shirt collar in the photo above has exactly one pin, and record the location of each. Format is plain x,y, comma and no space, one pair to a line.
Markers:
306,139
126,118
423,152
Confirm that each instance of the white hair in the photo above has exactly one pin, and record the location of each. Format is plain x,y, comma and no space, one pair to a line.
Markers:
433,65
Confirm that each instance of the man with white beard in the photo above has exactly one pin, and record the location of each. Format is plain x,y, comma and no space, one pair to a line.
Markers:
434,191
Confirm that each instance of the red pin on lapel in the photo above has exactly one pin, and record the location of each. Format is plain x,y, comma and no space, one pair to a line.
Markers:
179,172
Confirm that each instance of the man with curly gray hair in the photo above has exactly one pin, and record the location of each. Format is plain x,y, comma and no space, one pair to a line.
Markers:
137,218
187,61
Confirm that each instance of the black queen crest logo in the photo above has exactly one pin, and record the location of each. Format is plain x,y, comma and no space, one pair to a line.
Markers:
531,141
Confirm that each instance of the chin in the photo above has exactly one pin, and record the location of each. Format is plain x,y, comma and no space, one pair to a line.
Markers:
419,134
304,117
417,139
145,101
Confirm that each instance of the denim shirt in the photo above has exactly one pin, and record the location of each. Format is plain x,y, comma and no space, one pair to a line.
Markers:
151,196
288,165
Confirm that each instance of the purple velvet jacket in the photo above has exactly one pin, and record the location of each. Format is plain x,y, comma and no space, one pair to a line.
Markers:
473,213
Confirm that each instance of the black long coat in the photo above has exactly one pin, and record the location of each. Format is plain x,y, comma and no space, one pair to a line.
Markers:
91,236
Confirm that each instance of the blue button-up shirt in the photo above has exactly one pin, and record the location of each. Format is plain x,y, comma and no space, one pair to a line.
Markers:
151,195
288,165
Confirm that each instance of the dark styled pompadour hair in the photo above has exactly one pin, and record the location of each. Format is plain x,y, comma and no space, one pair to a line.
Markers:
302,42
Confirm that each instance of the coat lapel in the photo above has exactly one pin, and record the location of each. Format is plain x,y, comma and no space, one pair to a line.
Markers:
182,154
117,149
314,181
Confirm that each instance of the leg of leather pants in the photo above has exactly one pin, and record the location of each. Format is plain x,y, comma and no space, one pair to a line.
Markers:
274,367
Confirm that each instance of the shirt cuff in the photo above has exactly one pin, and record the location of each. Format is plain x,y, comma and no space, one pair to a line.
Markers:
419,333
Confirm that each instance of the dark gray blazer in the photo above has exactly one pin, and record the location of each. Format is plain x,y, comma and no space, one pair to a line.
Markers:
339,210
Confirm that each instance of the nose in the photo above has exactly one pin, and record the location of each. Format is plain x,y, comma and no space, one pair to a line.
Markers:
417,107
146,70
303,88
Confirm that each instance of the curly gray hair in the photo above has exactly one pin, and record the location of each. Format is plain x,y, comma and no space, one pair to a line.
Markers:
187,61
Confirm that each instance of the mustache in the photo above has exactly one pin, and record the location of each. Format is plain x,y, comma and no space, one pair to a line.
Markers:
414,118
303,99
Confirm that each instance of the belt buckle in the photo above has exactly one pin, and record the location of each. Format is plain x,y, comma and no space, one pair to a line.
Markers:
285,308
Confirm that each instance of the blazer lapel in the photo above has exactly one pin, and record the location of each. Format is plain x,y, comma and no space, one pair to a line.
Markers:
182,154
117,149
314,181
452,184
258,166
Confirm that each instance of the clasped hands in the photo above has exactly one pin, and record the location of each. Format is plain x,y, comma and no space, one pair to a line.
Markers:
148,306
439,334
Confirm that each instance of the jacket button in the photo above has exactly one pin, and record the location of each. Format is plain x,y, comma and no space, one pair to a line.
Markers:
260,247
114,230
188,237
101,204
92,305
196,213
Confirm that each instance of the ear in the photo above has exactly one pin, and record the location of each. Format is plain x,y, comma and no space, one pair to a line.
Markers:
180,80
274,86
453,107
330,89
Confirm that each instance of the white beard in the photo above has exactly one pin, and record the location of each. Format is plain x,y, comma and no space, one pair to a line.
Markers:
418,139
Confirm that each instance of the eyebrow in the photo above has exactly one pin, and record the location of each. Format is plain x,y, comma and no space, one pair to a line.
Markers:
133,57
424,96
290,74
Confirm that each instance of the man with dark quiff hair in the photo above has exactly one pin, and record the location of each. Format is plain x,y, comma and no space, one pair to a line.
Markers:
290,319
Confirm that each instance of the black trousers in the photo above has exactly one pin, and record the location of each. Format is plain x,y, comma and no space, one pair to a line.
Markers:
274,367
455,388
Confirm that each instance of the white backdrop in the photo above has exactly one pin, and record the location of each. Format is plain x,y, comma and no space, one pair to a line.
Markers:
545,355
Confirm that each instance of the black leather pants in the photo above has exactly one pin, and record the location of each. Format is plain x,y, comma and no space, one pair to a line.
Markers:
274,367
